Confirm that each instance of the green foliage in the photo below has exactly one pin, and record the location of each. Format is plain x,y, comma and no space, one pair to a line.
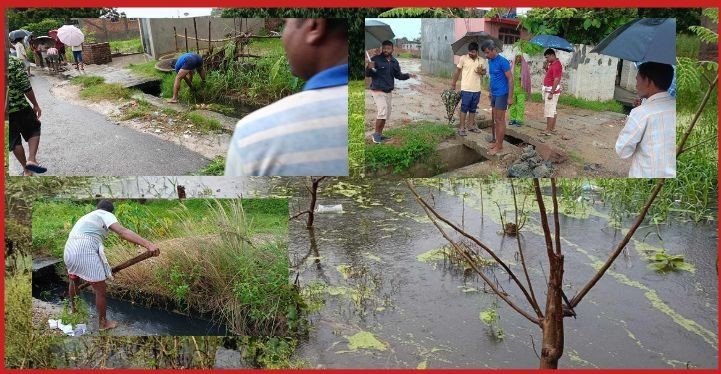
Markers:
356,127
687,46
81,315
528,48
42,27
126,46
25,345
202,123
95,88
598,106
215,168
417,142
492,319
19,17
273,353
356,26
148,69
663,262
88,80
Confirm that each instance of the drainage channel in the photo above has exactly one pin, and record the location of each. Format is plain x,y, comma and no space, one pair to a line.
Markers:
50,287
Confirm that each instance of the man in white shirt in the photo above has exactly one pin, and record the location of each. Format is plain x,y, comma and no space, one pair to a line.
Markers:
649,136
22,54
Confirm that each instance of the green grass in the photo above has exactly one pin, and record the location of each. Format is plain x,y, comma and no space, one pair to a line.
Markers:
598,106
215,168
126,46
148,69
203,124
418,142
155,220
142,109
687,46
95,88
356,127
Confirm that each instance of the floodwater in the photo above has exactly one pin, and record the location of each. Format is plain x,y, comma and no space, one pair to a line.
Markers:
375,304
133,319
367,277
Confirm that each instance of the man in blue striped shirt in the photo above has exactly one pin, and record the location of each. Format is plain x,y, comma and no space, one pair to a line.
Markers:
305,134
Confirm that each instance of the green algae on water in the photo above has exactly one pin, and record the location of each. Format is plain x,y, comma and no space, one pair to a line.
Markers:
365,340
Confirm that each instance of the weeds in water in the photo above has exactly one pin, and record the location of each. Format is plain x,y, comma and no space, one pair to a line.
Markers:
416,143
81,314
492,319
663,262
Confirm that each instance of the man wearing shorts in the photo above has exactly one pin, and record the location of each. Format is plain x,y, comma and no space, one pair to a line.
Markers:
501,81
53,59
551,90
24,123
469,69
383,70
184,66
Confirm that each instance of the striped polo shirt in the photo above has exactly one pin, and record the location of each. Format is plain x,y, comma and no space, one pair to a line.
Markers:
649,138
305,134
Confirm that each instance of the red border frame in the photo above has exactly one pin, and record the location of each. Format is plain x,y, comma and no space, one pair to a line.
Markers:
319,4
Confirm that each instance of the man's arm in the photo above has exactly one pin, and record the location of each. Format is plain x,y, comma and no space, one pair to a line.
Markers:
36,107
402,76
630,136
556,82
455,78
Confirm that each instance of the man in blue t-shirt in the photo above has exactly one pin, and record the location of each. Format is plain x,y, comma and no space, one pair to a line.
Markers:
501,81
184,66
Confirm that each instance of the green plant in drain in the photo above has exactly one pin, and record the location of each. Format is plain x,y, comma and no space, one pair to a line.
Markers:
81,315
492,319
663,262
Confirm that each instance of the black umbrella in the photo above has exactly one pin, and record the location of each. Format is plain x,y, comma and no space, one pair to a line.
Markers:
46,40
460,46
643,39
19,34
376,33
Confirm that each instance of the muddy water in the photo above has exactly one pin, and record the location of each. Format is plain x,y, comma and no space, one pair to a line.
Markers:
375,304
409,313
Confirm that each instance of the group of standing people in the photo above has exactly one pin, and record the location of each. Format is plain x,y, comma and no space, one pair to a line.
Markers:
45,55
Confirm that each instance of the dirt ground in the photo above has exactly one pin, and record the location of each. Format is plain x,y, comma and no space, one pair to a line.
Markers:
588,138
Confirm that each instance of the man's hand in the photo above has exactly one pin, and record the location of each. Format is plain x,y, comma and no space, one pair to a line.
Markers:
371,65
412,75
453,86
636,101
154,249
38,111
550,96
510,100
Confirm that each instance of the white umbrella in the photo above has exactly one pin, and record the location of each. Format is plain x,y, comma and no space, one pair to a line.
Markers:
71,35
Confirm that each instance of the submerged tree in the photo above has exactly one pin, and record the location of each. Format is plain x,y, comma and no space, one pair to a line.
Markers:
313,191
557,307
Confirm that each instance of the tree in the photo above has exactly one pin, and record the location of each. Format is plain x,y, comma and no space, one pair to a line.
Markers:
19,17
557,306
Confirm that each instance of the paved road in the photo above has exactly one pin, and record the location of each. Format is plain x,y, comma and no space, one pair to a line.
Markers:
77,141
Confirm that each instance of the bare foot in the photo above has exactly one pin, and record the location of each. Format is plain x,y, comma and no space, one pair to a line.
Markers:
108,325
27,173
494,151
173,101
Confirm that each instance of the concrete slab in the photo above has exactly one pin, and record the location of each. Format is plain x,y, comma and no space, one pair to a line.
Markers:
115,72
478,143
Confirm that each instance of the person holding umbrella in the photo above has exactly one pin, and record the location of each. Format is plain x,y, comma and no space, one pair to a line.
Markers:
649,136
551,90
522,80
84,255
501,82
470,69
384,69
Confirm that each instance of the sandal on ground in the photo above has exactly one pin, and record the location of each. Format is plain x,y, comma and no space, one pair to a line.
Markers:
474,130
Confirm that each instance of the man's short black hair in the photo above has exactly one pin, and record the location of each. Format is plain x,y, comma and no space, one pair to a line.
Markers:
106,205
660,74
339,25
387,42
549,52
473,47
488,45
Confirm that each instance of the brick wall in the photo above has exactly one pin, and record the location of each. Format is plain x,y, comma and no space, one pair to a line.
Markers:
106,30
98,53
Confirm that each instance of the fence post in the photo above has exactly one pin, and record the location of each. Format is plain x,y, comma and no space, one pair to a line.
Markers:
197,44
175,37
186,40
210,47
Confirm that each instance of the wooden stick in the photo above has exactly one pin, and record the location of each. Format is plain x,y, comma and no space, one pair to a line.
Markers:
197,45
175,36
144,256
186,40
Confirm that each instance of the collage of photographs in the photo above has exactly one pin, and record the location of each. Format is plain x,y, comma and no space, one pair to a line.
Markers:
262,188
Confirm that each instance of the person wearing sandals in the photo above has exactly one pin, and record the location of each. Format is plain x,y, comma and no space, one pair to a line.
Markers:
84,255
23,119
78,56
501,82
470,69
522,79
551,90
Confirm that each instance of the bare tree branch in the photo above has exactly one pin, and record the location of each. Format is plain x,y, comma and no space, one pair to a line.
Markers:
429,210
556,221
523,260
644,211
544,218
712,139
